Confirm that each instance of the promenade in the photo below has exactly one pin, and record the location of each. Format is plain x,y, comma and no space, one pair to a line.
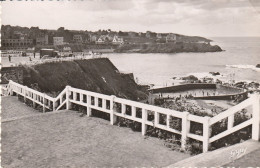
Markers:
64,139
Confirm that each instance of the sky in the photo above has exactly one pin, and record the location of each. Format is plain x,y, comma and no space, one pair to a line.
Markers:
208,18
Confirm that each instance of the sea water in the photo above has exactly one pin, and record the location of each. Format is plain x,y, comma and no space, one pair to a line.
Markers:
237,62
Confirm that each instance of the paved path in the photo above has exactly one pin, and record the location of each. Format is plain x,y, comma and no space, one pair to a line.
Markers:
250,160
68,140
12,107
239,155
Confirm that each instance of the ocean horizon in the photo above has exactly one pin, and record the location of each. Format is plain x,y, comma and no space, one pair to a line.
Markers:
237,62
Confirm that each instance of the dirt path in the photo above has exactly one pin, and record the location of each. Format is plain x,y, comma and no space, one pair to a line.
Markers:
68,140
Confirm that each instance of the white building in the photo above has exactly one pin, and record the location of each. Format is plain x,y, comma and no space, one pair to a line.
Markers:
117,40
58,41
171,38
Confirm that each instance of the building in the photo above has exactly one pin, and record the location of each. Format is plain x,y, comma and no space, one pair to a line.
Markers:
158,35
77,38
66,49
42,40
100,40
58,41
16,44
203,42
171,38
93,38
117,40
148,34
132,34
104,39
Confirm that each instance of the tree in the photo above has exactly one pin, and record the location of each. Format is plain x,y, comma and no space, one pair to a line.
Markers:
61,29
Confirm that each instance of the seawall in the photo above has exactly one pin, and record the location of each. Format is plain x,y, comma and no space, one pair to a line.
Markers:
184,87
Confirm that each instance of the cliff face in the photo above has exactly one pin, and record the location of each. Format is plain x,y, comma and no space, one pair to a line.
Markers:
168,48
97,75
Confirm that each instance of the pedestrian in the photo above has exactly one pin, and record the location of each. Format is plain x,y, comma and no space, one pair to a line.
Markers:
34,55
9,57
30,59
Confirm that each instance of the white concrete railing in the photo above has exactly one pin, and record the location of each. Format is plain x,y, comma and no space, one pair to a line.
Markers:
108,104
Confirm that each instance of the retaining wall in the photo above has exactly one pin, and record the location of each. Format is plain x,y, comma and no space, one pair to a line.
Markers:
184,87
223,97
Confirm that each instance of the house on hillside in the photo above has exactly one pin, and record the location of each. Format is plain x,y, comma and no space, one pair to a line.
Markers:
104,39
118,40
159,35
58,41
171,38
109,38
77,38
66,49
101,40
148,34
203,42
93,38
132,34
42,40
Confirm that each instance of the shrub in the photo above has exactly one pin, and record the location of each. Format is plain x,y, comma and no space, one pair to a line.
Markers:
135,126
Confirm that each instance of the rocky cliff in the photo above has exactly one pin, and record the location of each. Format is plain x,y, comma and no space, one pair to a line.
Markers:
97,75
168,48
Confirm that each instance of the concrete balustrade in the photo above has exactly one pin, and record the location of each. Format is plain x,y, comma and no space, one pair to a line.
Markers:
131,106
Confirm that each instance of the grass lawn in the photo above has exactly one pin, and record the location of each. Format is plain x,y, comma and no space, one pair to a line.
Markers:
68,140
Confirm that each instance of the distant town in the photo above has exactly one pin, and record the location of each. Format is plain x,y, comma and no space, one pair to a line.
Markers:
68,41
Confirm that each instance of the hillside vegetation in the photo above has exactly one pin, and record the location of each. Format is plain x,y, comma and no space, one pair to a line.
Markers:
97,75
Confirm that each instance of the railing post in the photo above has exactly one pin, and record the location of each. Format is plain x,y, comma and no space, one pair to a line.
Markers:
144,118
168,121
185,129
206,133
123,108
43,102
112,116
9,87
230,121
80,97
68,103
74,96
156,118
25,92
256,118
96,101
133,111
54,105
89,112
34,97
104,102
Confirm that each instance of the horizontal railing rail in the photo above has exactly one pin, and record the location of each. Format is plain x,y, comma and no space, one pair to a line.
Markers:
128,109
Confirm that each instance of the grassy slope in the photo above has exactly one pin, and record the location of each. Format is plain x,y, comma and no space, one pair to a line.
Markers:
98,75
